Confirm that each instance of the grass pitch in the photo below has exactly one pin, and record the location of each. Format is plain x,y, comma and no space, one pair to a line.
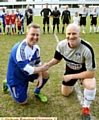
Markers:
64,108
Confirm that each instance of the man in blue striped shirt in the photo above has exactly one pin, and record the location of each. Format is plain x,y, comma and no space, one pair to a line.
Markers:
25,66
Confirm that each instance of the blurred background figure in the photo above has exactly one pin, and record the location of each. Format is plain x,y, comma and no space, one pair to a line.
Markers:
56,15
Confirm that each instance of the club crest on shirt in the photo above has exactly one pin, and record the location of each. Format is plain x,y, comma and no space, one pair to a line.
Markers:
77,54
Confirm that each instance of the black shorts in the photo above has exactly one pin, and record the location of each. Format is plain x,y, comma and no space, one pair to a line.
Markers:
19,28
65,21
46,20
83,22
71,71
93,22
56,21
29,21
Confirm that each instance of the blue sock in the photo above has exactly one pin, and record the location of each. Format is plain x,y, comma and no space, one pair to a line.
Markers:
37,90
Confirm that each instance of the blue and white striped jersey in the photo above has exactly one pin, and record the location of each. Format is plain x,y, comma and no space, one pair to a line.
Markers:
21,62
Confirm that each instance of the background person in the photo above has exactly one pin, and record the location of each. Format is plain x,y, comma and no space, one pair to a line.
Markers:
3,19
13,21
7,19
76,18
46,12
93,22
80,64
66,17
22,16
29,15
83,14
19,25
56,21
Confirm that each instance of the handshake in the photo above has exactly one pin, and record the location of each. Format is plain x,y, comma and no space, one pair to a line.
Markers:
45,67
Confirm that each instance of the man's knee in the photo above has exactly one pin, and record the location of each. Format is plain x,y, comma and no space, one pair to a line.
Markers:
45,74
89,84
23,103
66,90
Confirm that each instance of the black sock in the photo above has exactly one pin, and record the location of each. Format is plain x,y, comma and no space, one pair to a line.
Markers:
53,28
43,29
62,30
48,29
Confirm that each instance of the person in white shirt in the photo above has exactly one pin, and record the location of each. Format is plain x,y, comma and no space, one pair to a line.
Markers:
76,18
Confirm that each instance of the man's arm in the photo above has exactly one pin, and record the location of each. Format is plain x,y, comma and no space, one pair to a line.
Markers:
41,12
39,79
42,68
82,75
62,15
53,62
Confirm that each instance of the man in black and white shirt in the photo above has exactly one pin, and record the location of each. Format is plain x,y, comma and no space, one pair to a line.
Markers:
29,15
80,64
93,17
83,14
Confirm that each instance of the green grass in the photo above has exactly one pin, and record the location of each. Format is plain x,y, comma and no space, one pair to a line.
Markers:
64,108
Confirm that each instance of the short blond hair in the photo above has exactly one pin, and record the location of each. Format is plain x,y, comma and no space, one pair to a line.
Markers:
33,25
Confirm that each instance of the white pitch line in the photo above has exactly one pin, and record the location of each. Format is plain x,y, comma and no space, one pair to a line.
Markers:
77,85
57,40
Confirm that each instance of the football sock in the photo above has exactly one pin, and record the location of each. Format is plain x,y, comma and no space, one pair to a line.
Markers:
89,96
90,28
62,29
53,28
94,29
37,90
44,29
58,29
48,29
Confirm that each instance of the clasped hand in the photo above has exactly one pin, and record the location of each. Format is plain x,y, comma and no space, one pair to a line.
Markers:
45,67
67,78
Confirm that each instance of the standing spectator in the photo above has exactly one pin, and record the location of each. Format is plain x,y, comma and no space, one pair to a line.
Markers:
66,16
8,23
13,21
3,19
19,25
18,13
83,14
93,17
29,15
56,14
0,25
76,18
46,12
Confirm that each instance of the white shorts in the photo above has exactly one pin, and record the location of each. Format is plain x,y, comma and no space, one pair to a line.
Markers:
7,26
13,25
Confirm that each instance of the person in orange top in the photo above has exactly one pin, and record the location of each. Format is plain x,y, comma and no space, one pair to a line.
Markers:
19,25
7,22
13,21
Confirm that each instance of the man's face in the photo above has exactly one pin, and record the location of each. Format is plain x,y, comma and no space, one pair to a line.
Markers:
32,36
72,35
95,9
66,7
84,8
3,10
46,5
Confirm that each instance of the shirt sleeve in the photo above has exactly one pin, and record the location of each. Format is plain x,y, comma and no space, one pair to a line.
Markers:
90,60
57,54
